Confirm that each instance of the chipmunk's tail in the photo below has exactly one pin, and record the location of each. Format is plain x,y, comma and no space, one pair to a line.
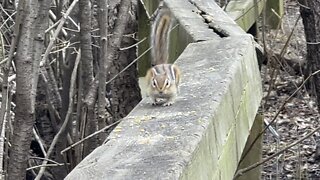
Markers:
160,34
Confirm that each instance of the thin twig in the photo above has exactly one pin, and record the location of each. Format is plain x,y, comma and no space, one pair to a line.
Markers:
65,45
145,9
4,60
313,43
56,32
7,122
247,10
67,118
244,170
275,13
279,111
283,50
37,137
272,84
115,76
4,22
52,26
6,69
53,18
3,135
46,165
73,30
74,23
304,6
133,45
90,136
50,160
10,17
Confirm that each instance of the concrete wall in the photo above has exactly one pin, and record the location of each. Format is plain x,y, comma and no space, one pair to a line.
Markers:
202,135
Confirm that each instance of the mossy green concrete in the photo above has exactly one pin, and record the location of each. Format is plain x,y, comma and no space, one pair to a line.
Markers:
230,127
255,153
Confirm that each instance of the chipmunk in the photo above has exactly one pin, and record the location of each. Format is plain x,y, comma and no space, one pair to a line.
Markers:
162,79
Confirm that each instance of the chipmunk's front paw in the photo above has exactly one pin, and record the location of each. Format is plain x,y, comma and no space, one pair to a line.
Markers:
167,103
155,102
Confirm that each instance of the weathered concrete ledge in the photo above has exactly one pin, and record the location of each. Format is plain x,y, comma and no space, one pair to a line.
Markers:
203,134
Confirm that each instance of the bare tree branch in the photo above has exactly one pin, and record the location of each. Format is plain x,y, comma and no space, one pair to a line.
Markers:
129,65
64,125
57,31
47,165
278,112
244,170
37,137
6,69
90,136
3,137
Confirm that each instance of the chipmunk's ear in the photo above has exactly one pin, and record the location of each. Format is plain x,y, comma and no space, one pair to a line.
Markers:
149,75
177,73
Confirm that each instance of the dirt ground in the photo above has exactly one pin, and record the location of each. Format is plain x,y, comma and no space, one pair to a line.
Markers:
299,116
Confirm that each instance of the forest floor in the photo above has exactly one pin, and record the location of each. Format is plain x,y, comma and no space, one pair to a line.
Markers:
299,115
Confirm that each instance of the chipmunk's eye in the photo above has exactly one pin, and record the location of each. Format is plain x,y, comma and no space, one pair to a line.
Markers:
154,84
168,83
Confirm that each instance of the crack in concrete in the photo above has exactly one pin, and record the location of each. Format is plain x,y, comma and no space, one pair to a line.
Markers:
208,19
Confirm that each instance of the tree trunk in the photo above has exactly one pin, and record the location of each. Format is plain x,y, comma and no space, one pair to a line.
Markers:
118,24
27,60
88,120
310,13
125,91
103,26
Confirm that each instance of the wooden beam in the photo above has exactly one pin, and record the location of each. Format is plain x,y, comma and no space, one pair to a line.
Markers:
245,12
274,13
